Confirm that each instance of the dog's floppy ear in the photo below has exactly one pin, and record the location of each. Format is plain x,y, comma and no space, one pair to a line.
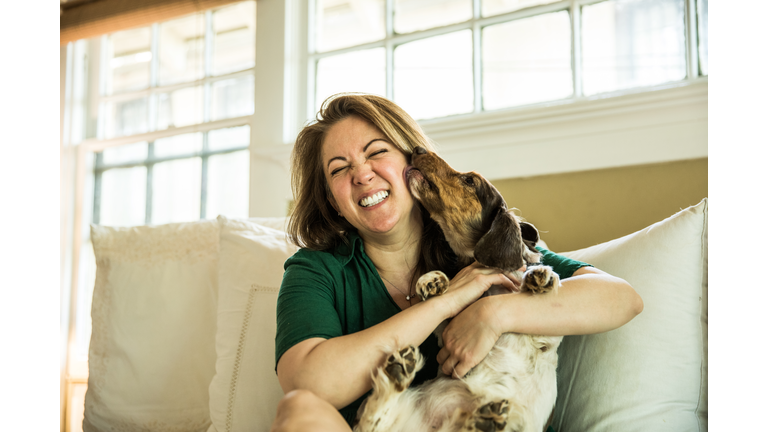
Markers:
501,246
530,235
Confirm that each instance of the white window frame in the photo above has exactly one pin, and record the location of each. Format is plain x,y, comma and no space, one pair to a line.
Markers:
494,141
269,189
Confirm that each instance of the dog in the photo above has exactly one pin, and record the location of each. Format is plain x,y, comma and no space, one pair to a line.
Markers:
514,387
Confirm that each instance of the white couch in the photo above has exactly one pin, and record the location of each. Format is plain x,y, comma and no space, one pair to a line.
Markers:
184,322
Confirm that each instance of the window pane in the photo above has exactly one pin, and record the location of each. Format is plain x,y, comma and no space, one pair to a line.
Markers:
176,191
234,38
181,46
433,77
632,43
180,108
358,71
495,7
345,23
703,20
232,98
127,117
221,139
128,57
414,15
178,145
527,61
228,185
125,153
123,196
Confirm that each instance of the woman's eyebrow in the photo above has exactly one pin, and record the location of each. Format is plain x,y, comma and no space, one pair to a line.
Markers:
365,148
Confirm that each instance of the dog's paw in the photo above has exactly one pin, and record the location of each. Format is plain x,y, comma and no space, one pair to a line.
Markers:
540,280
432,284
491,417
401,366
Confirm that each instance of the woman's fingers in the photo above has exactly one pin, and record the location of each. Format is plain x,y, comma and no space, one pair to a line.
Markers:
443,355
448,365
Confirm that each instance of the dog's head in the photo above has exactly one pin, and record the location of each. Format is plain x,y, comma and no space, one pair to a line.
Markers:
471,213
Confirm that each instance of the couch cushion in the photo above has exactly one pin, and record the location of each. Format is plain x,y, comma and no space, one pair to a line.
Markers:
651,374
152,353
245,391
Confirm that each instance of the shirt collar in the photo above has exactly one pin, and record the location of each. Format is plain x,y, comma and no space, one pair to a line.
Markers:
345,251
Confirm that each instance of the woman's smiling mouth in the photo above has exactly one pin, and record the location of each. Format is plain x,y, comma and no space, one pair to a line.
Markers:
374,199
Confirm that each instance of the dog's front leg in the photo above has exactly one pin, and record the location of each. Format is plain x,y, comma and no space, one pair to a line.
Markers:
433,284
380,412
541,279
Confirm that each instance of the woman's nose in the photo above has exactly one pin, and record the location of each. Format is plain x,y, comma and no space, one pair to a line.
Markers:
363,174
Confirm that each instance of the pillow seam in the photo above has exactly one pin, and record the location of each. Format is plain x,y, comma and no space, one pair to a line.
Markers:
704,336
238,358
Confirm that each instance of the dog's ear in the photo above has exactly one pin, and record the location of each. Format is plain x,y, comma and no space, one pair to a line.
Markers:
501,246
530,235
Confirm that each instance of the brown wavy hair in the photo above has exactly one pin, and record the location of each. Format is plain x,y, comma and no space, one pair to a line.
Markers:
314,223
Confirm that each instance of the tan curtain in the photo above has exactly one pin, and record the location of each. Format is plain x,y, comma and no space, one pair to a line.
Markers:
86,19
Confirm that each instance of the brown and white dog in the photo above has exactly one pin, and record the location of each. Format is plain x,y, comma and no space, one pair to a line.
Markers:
514,387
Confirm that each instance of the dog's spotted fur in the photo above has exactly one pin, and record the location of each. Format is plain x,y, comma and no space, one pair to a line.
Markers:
513,388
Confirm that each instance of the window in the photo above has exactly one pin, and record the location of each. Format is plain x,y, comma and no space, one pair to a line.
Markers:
442,58
163,117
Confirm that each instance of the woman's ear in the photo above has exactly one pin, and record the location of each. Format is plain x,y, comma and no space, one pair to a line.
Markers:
502,245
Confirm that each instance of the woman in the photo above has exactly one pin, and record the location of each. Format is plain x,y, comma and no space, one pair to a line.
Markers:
348,295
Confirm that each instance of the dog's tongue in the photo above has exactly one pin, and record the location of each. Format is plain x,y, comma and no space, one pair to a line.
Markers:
410,171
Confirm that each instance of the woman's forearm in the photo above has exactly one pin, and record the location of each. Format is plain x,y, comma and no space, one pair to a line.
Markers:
590,302
339,370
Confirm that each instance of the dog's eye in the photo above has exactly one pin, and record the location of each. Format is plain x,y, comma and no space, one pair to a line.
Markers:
469,180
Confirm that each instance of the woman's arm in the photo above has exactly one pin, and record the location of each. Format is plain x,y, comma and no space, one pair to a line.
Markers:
591,301
338,370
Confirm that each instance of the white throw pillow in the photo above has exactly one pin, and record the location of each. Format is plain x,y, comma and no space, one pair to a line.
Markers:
245,391
651,374
152,354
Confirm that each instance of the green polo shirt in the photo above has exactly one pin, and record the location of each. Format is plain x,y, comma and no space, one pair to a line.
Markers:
327,294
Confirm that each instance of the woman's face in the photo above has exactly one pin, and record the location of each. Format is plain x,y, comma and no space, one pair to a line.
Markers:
366,175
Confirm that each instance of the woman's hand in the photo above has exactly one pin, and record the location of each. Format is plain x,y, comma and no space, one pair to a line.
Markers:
471,282
468,338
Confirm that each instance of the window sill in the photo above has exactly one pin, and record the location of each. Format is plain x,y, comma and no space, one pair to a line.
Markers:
661,124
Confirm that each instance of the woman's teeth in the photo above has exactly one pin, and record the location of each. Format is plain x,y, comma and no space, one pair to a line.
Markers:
374,199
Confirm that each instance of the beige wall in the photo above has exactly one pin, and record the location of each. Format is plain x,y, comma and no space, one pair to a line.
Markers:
580,209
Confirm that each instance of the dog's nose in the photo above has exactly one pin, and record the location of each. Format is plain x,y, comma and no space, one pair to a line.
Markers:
420,150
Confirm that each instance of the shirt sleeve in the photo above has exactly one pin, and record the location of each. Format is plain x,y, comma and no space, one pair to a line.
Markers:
305,304
563,266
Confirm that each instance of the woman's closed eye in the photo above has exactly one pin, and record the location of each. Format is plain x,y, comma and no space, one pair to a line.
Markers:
378,152
337,170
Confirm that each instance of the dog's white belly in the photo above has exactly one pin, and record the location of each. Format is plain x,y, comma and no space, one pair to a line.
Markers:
521,369
516,370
